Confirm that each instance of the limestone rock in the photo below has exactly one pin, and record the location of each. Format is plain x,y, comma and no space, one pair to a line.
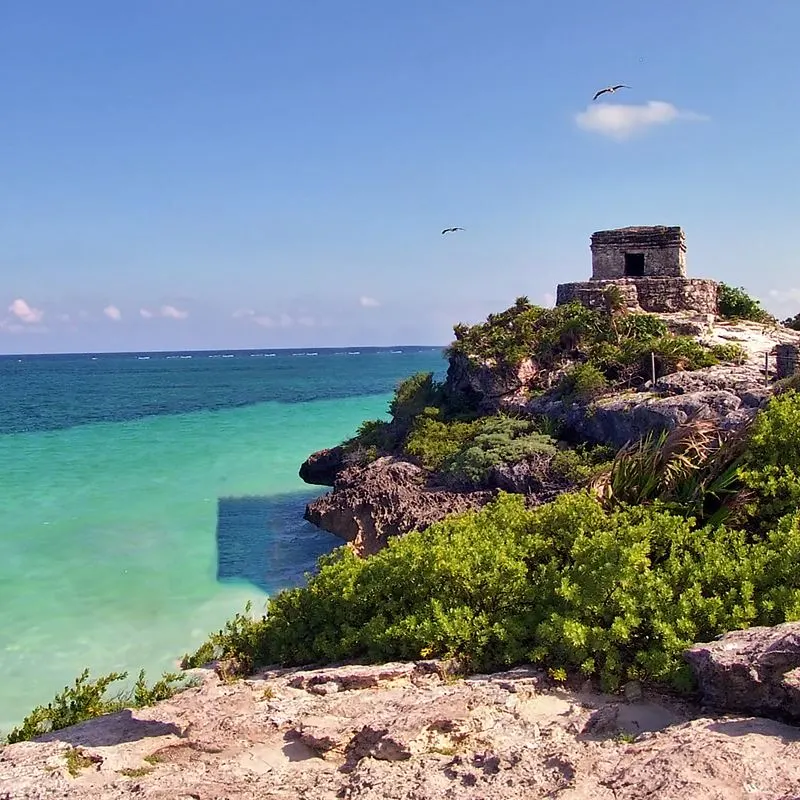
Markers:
386,498
755,671
322,467
402,732
728,394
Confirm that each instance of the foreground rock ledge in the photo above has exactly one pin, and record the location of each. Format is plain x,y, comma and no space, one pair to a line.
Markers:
403,731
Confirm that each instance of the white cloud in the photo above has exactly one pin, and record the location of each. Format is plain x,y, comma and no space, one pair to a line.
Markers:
549,299
368,302
285,321
26,313
112,312
145,313
173,313
64,318
264,321
10,326
243,312
620,121
307,322
785,297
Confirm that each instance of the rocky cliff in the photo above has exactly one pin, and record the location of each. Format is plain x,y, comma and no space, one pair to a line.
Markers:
370,503
415,731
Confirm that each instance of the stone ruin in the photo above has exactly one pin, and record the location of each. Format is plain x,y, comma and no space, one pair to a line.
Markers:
648,265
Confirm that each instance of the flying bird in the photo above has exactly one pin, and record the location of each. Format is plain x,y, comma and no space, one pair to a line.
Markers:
451,230
611,90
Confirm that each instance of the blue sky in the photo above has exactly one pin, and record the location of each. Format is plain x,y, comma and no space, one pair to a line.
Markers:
198,174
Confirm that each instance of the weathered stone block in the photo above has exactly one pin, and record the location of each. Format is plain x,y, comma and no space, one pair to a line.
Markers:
639,252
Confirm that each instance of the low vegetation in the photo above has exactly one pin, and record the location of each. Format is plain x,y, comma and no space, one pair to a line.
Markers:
579,353
614,584
87,698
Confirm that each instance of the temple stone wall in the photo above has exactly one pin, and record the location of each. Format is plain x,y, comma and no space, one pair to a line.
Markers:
663,248
658,295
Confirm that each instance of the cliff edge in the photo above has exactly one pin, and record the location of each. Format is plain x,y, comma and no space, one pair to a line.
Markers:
414,730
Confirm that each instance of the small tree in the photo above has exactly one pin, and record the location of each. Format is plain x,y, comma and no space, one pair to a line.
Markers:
735,303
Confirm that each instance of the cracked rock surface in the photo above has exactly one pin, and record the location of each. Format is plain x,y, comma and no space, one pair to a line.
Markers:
407,731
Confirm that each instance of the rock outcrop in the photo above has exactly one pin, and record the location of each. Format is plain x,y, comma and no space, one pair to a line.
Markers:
322,467
385,498
755,671
487,387
728,394
406,731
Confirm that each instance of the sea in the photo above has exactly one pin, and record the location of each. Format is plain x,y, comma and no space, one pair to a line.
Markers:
145,498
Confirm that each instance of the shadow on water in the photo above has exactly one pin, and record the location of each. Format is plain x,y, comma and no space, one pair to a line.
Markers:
266,542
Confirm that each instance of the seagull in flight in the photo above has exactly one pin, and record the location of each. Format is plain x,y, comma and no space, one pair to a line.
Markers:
451,230
611,90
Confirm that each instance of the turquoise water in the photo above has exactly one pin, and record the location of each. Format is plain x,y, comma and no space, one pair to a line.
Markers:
123,543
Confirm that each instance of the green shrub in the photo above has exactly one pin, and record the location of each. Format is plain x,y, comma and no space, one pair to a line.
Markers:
373,438
583,382
673,353
735,303
730,352
499,440
771,469
412,395
570,585
87,699
432,440
465,452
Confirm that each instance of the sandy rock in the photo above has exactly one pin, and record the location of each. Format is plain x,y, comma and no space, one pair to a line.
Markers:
756,671
401,731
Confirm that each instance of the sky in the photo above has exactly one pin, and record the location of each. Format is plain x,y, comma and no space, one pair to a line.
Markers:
190,174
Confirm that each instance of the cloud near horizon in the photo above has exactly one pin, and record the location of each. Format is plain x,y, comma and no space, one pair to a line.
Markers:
168,312
621,121
369,302
26,313
266,321
113,313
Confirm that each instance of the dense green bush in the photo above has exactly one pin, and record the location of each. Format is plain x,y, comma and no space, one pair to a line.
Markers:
583,382
87,699
615,593
412,395
497,440
771,470
735,303
463,453
433,439
378,437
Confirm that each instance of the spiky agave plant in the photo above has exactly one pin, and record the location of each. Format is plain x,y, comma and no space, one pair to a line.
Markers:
693,468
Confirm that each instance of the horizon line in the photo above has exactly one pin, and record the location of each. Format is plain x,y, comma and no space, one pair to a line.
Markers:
222,350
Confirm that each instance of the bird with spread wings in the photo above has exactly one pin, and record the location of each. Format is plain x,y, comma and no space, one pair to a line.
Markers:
610,90
451,230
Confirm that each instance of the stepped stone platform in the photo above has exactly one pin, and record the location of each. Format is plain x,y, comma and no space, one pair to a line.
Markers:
658,295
